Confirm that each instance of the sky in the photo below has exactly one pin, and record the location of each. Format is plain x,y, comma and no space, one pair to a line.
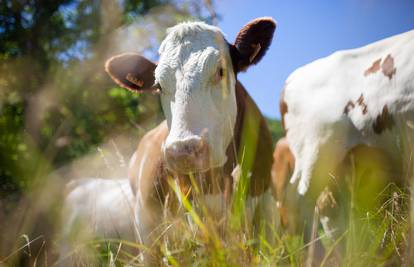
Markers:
308,30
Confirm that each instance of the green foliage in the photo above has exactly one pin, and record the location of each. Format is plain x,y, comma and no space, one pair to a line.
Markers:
12,146
53,92
276,129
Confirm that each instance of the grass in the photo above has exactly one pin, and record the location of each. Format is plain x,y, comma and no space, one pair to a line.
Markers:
196,238
376,238
373,234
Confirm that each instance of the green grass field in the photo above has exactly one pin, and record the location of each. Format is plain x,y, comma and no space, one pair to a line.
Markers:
374,231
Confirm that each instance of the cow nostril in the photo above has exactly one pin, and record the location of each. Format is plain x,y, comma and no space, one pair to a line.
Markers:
188,155
189,150
201,149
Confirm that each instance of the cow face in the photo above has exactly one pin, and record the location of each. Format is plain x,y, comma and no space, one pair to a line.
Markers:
197,82
196,78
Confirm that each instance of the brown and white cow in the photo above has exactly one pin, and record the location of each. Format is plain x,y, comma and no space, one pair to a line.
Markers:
355,98
211,124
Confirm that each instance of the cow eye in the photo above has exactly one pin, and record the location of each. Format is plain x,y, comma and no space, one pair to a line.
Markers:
220,74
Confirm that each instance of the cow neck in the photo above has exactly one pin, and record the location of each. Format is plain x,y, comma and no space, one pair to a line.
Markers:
250,119
233,148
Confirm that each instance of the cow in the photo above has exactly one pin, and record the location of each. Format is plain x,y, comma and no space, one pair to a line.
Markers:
212,124
349,100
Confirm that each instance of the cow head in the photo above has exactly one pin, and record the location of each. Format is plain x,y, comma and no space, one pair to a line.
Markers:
196,79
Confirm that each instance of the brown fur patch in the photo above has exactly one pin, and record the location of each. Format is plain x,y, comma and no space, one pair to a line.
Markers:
348,107
262,164
383,121
388,68
376,65
282,169
283,107
362,104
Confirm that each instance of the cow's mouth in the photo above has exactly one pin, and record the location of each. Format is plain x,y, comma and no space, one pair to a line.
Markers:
192,166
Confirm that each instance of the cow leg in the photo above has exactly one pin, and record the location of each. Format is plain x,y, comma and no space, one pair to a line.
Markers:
148,234
315,251
307,222
327,213
228,192
282,167
222,191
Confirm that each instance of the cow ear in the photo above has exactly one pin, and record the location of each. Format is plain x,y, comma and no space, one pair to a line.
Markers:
252,42
132,71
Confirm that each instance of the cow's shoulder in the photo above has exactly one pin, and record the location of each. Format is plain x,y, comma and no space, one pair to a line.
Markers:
158,134
146,162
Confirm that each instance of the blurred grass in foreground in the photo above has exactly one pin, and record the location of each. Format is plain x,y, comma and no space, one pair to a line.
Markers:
374,234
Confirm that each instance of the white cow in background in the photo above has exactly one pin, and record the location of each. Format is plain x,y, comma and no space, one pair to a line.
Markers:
362,96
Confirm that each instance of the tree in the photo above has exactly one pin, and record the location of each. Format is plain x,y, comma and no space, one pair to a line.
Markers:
55,101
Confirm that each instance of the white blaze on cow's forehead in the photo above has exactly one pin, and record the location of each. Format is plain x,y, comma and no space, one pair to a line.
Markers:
189,42
191,31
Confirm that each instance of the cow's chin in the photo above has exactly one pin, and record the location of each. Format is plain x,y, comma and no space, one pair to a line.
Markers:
194,167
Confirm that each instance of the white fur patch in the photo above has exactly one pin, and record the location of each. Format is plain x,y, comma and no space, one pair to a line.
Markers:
106,206
96,208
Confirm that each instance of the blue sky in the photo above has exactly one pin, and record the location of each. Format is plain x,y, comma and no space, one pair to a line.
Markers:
308,30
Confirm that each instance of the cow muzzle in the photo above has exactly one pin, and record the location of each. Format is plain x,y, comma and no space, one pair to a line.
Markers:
187,156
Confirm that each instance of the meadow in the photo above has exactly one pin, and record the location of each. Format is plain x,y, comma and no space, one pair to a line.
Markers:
62,118
375,221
